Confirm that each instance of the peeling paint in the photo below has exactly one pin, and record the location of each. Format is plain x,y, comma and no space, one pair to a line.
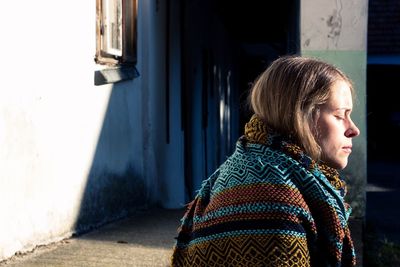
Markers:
334,25
334,22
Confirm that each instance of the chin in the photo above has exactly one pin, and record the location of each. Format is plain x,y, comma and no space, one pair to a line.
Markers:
340,165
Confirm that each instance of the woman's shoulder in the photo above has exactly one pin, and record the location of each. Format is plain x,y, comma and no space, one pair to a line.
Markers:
261,157
258,164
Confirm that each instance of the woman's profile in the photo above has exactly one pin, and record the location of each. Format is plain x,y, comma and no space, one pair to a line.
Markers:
278,200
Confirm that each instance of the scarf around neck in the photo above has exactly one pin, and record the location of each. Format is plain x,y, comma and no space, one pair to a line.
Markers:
256,131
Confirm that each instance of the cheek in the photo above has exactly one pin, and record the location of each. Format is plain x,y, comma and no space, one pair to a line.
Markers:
322,130
326,135
329,141
326,143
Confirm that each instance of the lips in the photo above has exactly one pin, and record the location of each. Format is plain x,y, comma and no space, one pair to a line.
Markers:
347,149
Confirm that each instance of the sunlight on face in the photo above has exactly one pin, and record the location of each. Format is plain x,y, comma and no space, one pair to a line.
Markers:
335,127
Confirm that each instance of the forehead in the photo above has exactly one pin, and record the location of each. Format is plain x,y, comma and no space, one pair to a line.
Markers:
340,95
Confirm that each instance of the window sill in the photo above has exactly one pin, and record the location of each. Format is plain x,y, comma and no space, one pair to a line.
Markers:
115,75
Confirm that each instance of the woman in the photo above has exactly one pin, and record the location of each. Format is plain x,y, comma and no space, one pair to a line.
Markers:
278,199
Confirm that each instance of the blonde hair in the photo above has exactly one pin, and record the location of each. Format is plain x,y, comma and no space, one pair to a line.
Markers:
287,96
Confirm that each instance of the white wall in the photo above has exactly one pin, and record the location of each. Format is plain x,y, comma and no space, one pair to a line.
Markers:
73,154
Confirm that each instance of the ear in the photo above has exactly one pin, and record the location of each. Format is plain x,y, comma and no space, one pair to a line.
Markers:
313,121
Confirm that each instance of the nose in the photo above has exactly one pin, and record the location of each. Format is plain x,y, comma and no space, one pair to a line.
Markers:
352,131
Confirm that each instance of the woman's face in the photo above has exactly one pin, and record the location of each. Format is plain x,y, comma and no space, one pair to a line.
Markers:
335,127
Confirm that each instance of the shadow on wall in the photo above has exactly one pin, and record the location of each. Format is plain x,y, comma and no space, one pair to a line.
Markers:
115,185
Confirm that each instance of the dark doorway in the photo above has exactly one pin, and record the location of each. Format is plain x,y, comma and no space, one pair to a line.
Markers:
225,46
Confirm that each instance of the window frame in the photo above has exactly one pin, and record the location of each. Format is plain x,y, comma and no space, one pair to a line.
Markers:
127,34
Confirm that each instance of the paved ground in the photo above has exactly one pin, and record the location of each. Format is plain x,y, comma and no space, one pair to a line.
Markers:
145,239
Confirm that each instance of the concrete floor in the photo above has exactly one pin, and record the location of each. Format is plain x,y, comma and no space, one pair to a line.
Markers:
145,239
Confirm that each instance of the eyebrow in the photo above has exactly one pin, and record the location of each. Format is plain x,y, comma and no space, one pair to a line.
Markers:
345,110
332,108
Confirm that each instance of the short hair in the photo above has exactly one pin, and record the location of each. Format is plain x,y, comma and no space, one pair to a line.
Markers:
288,94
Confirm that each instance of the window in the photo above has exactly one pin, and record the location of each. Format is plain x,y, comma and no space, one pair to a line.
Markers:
116,32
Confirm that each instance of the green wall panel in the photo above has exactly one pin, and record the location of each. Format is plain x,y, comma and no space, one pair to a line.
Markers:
354,64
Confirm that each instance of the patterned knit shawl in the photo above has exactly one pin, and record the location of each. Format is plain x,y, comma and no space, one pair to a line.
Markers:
268,204
256,131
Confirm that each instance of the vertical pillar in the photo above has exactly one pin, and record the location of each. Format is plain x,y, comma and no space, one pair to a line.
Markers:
336,31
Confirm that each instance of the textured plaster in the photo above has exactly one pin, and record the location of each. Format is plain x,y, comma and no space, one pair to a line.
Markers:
334,25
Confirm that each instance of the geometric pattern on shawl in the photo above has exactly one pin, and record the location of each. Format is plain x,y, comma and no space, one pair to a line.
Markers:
263,208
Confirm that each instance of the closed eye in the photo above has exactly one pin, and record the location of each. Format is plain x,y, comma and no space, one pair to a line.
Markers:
339,117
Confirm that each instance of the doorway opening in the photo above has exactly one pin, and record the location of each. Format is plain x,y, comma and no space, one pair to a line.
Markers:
225,46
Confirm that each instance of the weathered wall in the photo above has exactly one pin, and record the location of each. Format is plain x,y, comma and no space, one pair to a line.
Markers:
336,31
74,155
